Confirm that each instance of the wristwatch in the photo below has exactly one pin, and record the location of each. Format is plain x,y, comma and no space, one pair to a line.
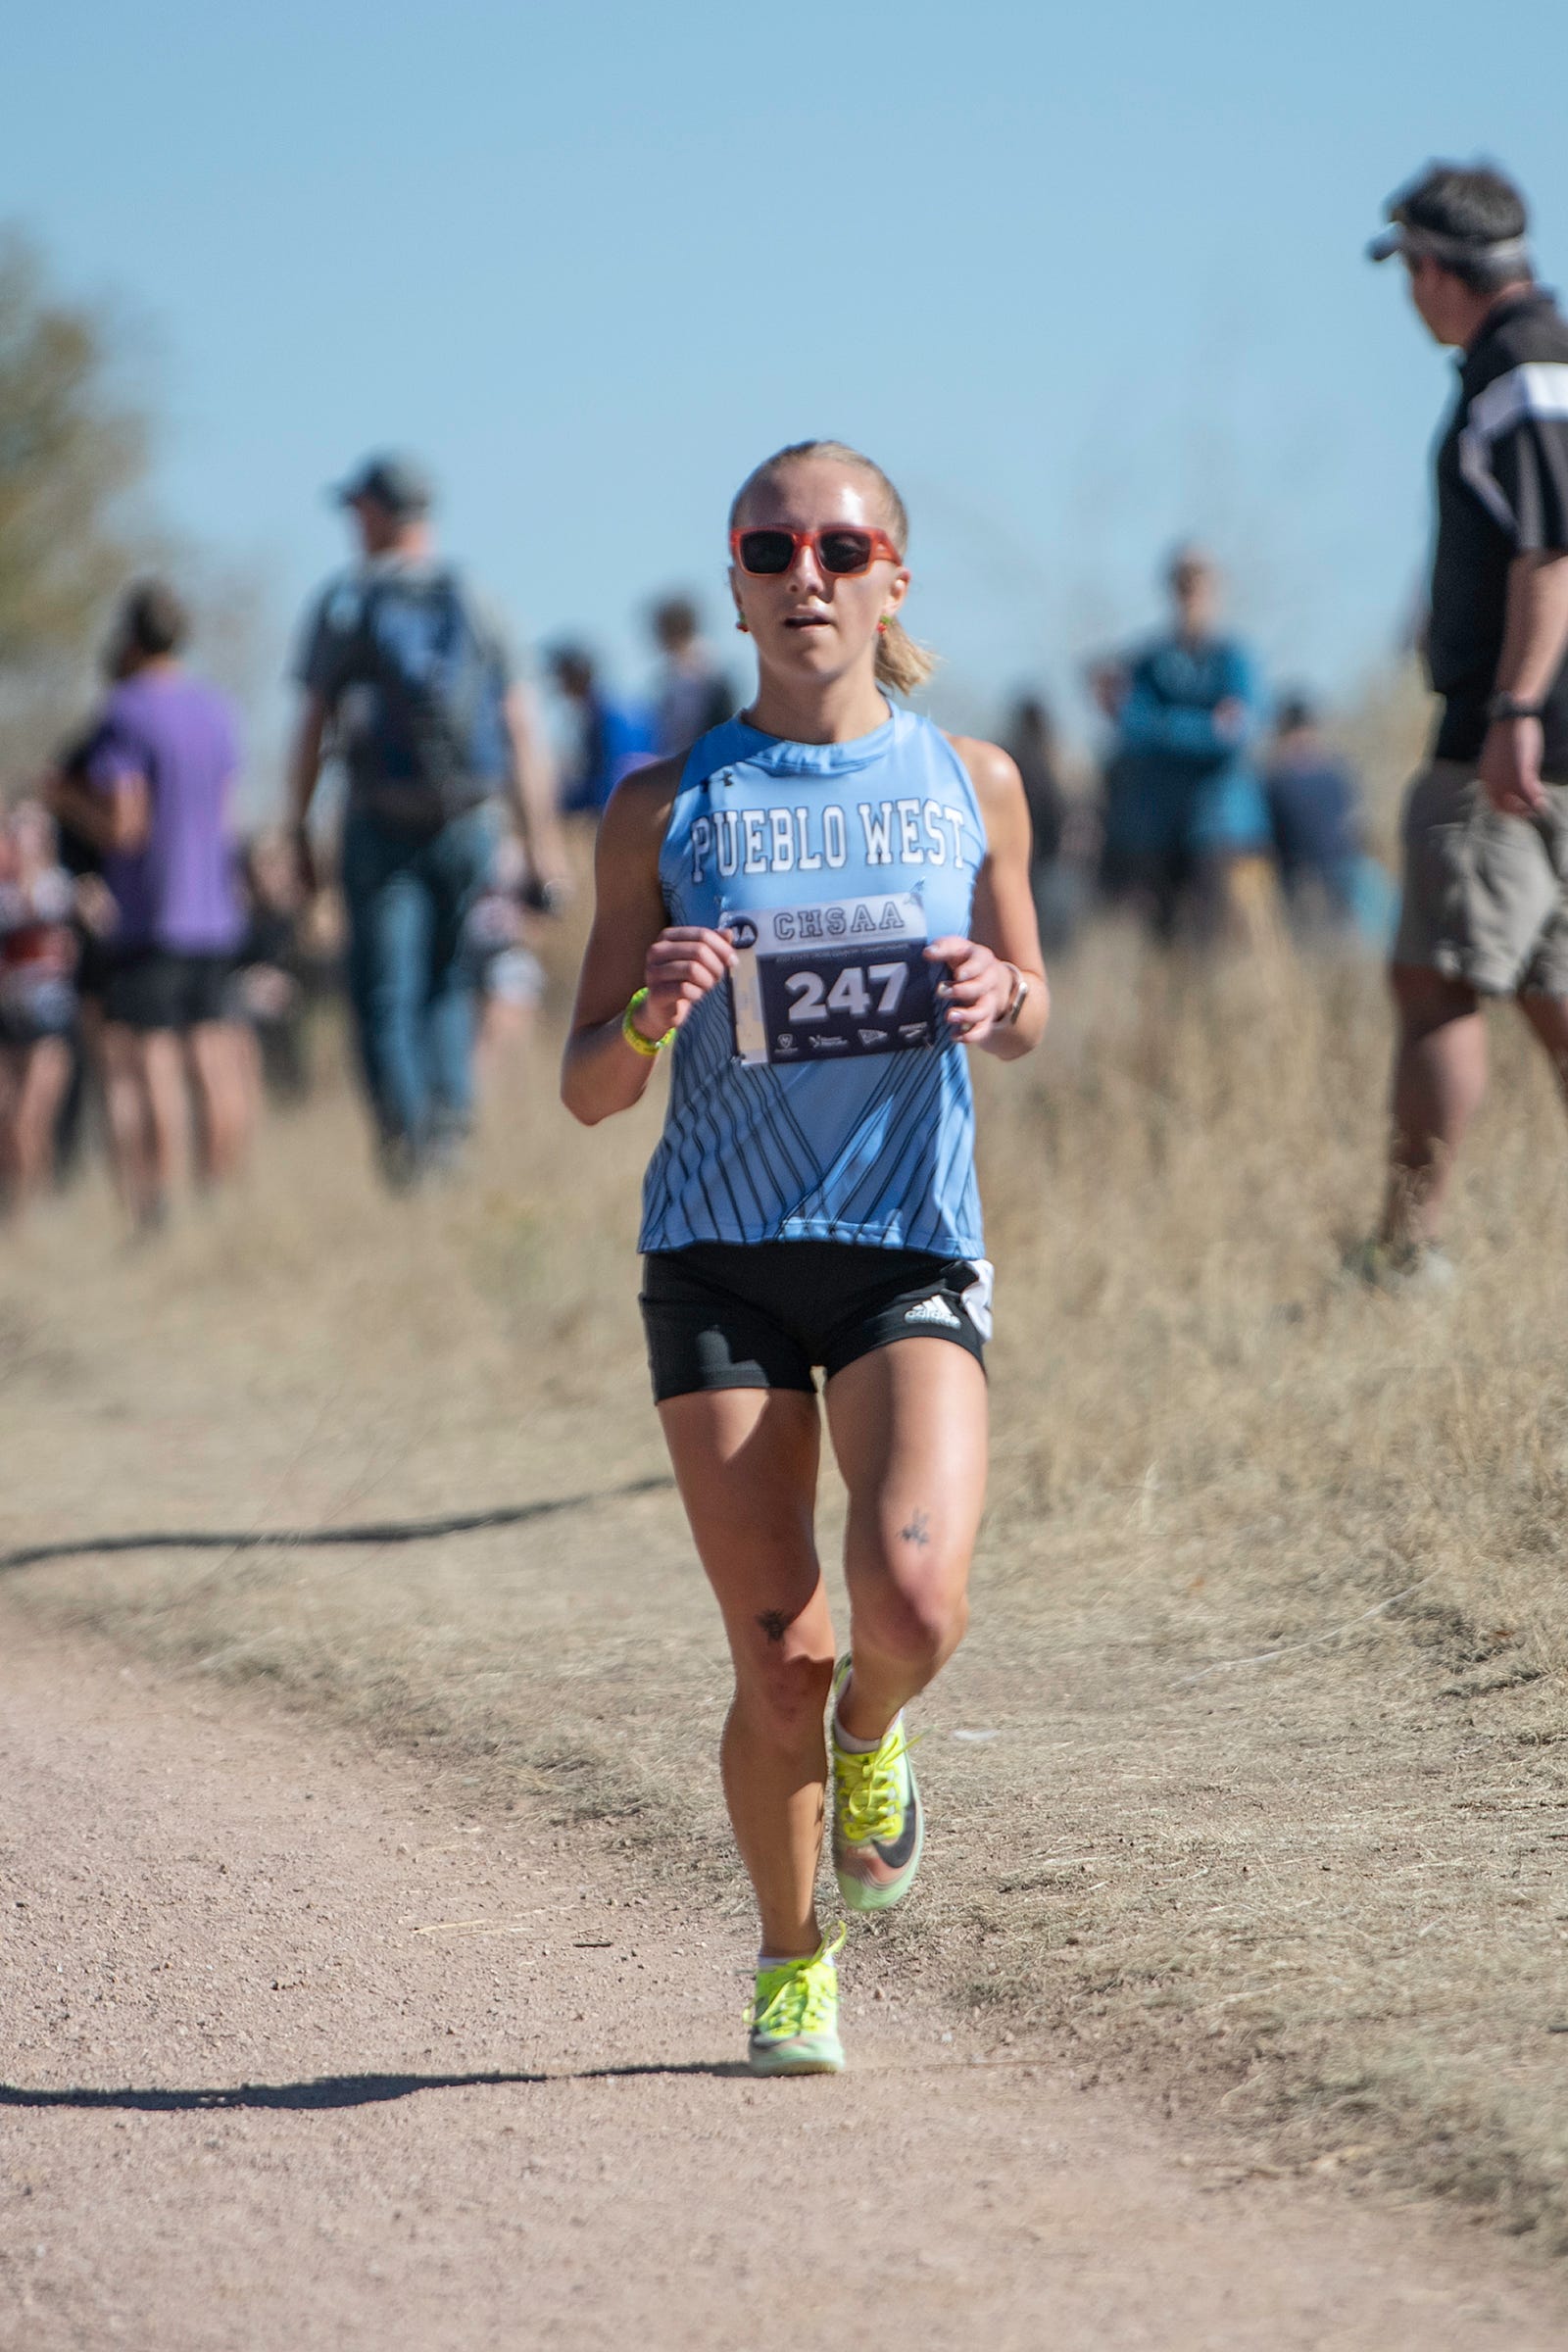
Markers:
1513,706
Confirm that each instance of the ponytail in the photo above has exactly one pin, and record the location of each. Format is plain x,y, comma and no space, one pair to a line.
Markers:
901,664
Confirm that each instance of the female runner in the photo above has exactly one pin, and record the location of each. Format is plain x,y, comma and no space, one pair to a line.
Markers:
817,908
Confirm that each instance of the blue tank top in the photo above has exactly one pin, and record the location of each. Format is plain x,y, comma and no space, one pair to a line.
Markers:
815,1095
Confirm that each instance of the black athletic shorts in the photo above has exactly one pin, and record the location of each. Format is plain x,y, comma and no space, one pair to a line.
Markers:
95,964
759,1315
157,988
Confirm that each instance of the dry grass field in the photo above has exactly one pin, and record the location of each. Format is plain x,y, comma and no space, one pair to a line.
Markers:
1251,1786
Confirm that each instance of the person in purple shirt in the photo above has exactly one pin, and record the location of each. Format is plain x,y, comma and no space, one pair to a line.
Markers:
155,798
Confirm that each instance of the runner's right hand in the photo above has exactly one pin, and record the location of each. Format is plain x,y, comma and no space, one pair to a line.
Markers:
683,964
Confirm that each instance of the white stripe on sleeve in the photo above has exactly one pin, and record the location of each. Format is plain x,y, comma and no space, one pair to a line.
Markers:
1536,391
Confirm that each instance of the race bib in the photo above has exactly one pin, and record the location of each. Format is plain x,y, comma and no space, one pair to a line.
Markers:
828,983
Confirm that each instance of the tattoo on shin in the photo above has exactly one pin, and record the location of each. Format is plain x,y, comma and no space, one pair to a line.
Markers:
775,1624
919,1530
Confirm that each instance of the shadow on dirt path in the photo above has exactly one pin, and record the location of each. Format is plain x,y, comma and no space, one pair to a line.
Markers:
335,2091
200,1887
297,1538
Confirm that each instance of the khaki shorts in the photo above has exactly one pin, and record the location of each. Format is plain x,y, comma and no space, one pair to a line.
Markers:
1486,897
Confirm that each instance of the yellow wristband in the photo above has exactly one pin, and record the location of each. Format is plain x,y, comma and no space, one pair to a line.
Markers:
649,1047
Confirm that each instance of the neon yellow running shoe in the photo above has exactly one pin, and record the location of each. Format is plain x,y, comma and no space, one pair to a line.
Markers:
879,1820
795,2017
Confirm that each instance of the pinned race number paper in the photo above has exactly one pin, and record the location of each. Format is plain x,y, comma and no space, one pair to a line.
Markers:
830,983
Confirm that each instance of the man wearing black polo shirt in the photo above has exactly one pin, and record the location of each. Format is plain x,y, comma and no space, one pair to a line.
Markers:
1486,827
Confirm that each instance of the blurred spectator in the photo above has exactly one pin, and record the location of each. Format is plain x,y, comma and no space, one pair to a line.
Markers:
504,972
411,675
93,918
1056,832
1485,826
1030,739
1313,802
614,736
270,993
155,800
1105,681
37,1001
694,694
1185,810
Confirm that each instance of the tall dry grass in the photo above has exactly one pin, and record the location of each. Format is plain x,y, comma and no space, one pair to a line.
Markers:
1171,1193
1270,1631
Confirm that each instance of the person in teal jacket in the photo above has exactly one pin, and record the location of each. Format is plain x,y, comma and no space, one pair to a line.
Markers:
1184,800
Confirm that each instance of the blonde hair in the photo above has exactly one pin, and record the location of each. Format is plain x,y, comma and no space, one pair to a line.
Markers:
901,664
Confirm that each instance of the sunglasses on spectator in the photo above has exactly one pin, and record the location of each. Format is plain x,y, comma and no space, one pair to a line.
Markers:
839,547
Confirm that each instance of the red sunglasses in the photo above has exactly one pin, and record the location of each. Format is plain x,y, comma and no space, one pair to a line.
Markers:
841,548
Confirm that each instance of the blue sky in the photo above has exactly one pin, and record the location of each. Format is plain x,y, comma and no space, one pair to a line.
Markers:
1082,280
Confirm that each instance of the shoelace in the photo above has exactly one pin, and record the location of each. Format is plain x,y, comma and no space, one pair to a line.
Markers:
871,1790
800,1998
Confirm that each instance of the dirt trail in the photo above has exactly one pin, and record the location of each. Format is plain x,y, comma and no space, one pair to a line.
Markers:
299,2056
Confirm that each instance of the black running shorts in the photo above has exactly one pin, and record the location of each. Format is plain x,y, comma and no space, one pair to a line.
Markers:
158,988
761,1315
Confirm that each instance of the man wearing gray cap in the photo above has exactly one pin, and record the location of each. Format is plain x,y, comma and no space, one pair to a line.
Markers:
407,678
1486,827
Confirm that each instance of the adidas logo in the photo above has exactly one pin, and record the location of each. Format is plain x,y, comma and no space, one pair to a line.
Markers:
932,1310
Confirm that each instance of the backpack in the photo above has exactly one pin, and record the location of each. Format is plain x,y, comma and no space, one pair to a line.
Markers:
436,742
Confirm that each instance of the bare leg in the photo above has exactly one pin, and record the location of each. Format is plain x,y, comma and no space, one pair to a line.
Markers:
1549,1018
130,1121
505,1029
745,1462
10,1109
216,1051
163,1057
1440,1076
908,1424
252,1076
45,1069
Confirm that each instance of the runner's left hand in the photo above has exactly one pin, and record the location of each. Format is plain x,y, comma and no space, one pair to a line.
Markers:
976,991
